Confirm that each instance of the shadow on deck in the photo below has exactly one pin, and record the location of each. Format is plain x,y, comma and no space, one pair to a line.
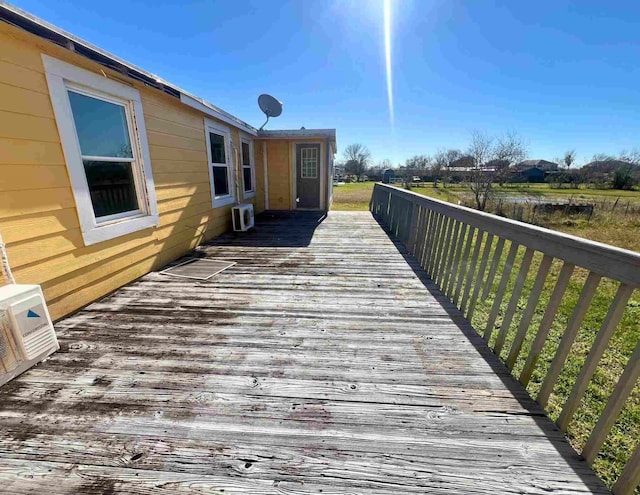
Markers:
324,361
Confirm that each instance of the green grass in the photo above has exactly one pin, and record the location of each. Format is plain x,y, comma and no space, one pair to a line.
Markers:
611,227
619,227
606,226
623,437
352,197
581,192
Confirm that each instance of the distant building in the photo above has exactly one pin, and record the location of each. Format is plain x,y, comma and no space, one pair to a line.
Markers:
533,174
388,175
463,164
533,170
541,164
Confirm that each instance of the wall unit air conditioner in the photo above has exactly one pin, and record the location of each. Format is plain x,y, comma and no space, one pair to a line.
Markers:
242,217
26,332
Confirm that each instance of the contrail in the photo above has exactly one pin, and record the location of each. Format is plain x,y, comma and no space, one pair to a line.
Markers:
387,52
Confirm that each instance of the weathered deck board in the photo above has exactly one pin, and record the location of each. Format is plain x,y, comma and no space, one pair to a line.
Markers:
324,361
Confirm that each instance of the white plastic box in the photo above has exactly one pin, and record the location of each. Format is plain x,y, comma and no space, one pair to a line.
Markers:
26,331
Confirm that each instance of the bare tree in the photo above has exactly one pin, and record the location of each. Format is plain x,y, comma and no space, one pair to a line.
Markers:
632,156
418,162
357,158
415,166
445,159
603,157
436,172
508,150
491,159
569,158
480,181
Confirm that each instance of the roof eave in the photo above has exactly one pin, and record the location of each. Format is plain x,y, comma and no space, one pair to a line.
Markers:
39,27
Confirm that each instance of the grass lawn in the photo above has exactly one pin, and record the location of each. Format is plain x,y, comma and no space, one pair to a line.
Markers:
624,436
614,228
352,197
580,194
609,227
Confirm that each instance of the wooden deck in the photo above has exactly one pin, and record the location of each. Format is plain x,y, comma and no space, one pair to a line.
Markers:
324,361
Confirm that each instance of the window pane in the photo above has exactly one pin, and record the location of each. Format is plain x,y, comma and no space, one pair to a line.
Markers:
111,186
220,181
309,170
246,155
218,154
101,126
309,163
248,186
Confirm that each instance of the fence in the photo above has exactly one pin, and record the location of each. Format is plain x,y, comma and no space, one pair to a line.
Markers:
462,250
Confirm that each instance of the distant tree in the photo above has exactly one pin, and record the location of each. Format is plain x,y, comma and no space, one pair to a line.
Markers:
375,172
569,158
507,151
445,159
480,181
491,157
436,171
576,177
357,158
418,163
415,167
600,171
603,157
622,178
632,156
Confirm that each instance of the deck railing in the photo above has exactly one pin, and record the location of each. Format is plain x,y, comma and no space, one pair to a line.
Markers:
463,252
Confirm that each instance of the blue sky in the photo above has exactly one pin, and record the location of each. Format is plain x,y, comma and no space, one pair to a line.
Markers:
561,74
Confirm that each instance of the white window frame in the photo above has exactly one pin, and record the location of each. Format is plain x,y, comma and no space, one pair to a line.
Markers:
210,126
252,166
316,159
62,77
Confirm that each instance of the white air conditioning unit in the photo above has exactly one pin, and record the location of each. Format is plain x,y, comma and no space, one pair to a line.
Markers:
242,217
26,332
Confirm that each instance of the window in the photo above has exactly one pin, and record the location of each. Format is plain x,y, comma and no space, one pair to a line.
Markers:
103,136
248,167
309,163
220,168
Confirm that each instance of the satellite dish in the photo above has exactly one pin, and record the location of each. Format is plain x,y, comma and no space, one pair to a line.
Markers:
270,106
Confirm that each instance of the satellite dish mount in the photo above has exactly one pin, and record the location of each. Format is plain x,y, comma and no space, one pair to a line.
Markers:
270,106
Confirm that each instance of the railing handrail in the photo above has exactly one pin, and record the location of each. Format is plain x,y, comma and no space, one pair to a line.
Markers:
441,236
609,261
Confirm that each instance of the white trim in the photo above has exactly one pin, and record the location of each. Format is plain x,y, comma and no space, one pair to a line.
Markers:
114,159
211,112
298,134
266,175
315,159
252,166
62,76
321,172
213,127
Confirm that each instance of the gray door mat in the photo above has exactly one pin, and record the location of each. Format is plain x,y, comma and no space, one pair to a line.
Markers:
198,268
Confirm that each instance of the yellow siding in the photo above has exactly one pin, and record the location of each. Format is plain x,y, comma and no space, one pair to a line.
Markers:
38,217
279,174
259,199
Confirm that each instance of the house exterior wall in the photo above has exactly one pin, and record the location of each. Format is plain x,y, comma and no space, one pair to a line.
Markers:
279,174
38,215
281,171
